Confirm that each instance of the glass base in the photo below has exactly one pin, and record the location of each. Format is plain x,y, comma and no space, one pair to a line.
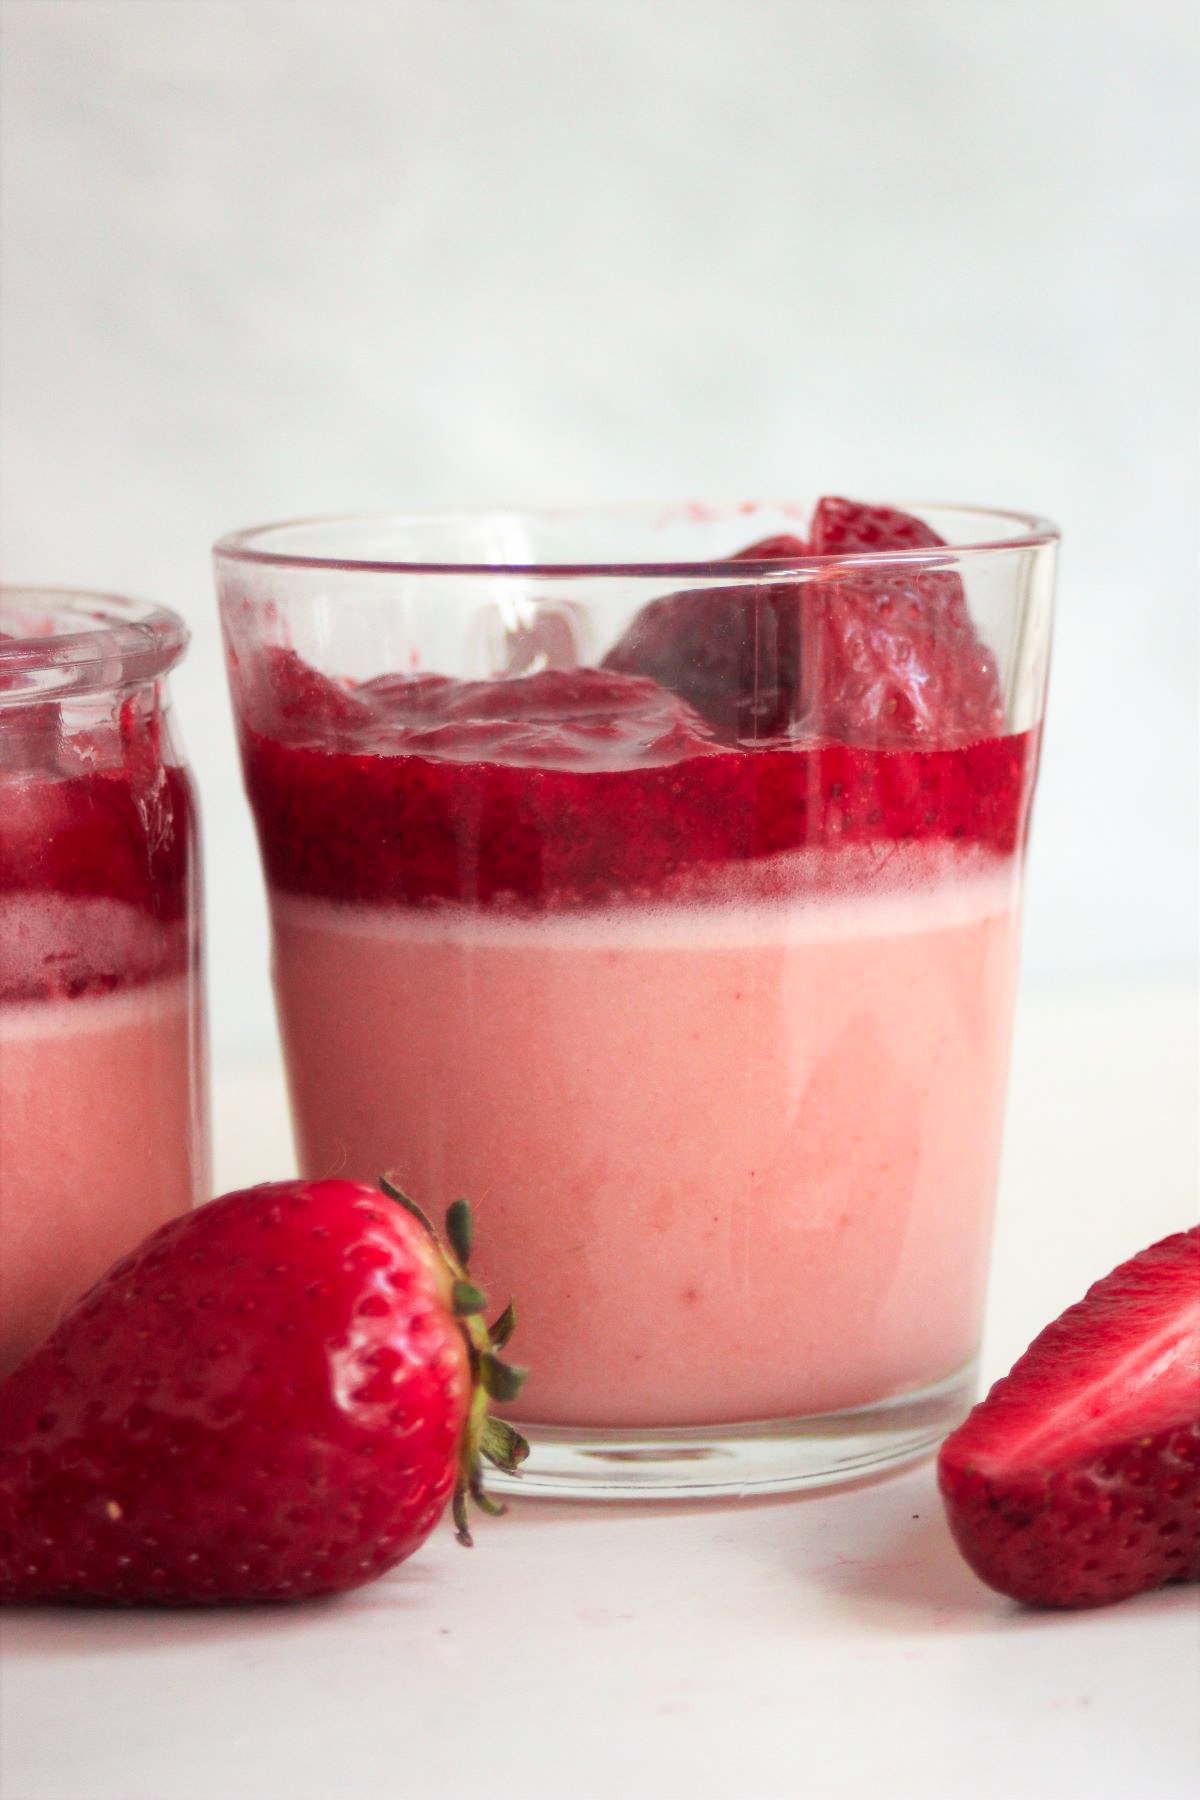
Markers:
772,1456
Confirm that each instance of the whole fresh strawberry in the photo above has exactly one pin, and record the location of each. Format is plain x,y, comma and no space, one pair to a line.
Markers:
272,1397
1077,1480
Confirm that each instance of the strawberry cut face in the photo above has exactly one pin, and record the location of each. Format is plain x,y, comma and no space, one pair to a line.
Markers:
1077,1480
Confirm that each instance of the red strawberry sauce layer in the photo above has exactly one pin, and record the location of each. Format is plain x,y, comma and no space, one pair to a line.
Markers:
576,788
72,840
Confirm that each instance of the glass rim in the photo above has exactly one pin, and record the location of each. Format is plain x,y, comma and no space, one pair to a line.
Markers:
251,545
102,640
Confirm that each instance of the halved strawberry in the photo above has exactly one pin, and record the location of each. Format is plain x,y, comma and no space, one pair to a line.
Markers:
892,657
731,653
1077,1480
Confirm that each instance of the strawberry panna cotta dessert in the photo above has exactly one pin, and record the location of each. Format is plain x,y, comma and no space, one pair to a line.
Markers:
103,1127
94,983
694,966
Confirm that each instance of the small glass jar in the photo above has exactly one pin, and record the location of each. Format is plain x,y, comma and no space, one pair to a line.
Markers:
103,1100
655,884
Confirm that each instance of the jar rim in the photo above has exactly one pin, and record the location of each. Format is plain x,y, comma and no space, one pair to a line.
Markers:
267,544
87,641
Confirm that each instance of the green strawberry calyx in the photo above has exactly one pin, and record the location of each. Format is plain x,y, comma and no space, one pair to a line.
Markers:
485,1437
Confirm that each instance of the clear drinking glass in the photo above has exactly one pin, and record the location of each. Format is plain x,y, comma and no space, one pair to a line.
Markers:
103,1115
655,885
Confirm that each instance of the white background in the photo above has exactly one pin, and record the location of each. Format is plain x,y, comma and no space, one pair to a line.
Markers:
269,258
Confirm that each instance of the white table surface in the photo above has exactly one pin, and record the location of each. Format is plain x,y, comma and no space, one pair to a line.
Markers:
832,1645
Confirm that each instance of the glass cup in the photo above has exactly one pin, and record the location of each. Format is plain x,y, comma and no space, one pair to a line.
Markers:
103,1115
655,885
